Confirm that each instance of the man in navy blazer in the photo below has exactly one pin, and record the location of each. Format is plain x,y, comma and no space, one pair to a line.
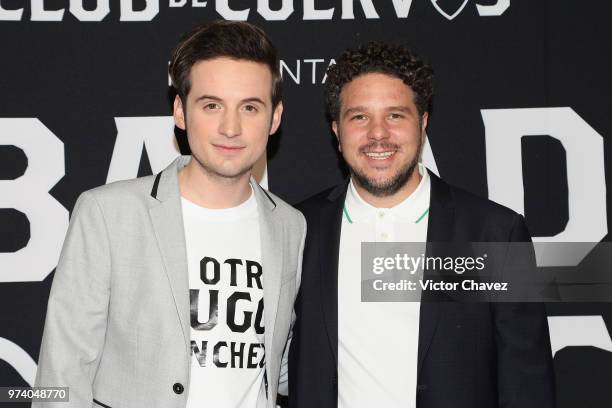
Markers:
349,353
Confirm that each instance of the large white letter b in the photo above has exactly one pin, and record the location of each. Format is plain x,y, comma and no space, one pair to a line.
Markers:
30,194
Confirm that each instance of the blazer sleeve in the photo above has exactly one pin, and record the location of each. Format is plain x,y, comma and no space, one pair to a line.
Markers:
283,383
525,369
77,311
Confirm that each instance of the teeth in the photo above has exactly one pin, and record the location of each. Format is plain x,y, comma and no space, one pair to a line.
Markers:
379,155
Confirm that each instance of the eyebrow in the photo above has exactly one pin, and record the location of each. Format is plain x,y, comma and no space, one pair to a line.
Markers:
211,97
400,108
355,109
254,99
217,99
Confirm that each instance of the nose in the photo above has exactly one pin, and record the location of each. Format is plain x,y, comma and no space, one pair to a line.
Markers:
378,129
230,125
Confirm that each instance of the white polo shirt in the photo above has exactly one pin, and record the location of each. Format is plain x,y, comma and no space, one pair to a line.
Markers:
377,342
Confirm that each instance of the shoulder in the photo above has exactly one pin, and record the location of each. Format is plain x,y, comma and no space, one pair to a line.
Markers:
484,218
125,194
137,186
466,201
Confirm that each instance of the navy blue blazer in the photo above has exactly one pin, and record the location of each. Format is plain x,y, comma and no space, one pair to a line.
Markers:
469,354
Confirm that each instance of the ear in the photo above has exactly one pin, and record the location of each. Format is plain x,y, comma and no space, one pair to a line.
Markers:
424,126
179,113
335,129
424,121
276,118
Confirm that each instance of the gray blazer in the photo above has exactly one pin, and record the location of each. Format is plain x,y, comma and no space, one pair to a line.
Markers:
117,330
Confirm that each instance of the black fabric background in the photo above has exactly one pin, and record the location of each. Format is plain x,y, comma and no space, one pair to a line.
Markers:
76,77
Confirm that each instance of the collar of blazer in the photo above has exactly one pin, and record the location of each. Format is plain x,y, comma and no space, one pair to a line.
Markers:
167,220
439,229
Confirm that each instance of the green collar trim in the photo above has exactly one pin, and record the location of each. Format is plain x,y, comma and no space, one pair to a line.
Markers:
348,217
422,216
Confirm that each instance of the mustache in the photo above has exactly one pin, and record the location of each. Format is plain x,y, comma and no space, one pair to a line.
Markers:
373,146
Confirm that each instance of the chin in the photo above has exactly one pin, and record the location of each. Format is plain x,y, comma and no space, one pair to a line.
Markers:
227,172
383,186
381,180
233,174
239,171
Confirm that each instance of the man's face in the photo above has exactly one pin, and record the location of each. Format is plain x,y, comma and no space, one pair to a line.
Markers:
228,115
379,132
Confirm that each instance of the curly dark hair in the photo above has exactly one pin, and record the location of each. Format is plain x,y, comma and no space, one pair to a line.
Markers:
392,59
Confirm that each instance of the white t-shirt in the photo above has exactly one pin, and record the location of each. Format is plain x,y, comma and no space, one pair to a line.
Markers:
377,342
226,297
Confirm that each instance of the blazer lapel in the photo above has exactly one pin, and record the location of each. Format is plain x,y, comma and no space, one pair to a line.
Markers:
272,236
439,229
330,225
167,220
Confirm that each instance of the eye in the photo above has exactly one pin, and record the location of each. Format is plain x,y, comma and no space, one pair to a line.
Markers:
396,115
359,117
250,108
211,106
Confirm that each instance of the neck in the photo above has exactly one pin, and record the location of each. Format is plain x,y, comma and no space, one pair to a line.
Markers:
212,191
394,199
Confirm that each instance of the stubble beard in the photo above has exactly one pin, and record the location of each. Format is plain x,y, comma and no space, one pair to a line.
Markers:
390,186
224,176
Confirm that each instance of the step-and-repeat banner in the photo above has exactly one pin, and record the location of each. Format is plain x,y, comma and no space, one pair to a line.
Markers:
521,113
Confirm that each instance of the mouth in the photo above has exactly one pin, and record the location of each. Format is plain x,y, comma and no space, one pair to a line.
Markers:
384,155
228,149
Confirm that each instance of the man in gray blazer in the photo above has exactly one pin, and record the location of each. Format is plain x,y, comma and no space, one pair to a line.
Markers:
177,290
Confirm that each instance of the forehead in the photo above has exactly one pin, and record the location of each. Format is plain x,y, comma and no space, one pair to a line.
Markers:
231,78
376,88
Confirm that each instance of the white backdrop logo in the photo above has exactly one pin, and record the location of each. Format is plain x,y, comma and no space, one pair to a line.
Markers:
29,194
19,359
586,179
268,9
450,14
585,166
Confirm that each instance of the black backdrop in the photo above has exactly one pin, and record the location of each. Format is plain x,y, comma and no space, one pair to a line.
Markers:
95,86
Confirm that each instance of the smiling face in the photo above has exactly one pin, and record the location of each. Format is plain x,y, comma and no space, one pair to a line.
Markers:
380,133
228,115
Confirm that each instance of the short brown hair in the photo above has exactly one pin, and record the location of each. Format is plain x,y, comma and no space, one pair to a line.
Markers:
232,39
377,57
